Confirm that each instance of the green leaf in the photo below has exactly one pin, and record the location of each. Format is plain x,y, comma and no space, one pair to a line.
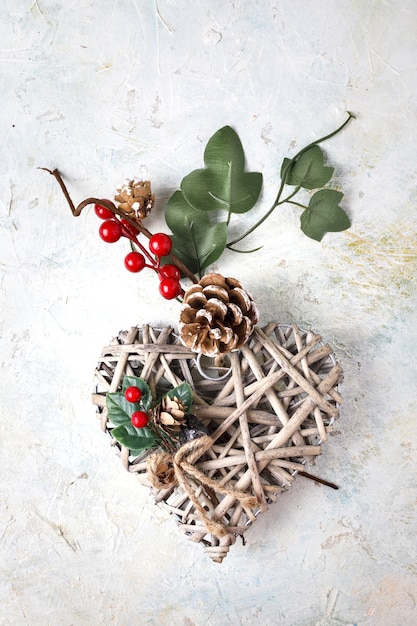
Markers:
195,241
308,171
184,393
119,409
223,184
137,439
134,381
323,215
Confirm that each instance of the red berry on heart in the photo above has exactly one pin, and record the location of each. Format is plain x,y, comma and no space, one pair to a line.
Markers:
133,394
169,271
134,261
139,419
160,244
169,288
102,212
110,231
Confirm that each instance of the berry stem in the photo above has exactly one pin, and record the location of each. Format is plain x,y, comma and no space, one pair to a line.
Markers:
164,441
142,248
76,211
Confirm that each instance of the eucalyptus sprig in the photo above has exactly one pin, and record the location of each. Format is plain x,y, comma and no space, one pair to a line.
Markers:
200,236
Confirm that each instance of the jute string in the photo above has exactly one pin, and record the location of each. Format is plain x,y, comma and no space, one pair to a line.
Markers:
165,470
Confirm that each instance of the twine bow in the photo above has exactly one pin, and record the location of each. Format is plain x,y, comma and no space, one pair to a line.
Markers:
165,470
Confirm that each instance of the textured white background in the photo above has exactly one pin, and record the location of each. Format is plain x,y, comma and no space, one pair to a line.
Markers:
111,89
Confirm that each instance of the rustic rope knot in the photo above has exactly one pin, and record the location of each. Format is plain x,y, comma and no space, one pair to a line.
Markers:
165,470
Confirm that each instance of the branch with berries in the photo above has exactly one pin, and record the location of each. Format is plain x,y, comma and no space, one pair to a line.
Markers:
217,314
126,221
198,236
140,422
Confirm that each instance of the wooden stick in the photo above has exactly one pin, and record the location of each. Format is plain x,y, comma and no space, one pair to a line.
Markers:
318,480
289,369
270,393
262,456
244,429
120,367
293,423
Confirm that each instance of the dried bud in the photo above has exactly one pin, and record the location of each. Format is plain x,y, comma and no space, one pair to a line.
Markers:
136,199
217,315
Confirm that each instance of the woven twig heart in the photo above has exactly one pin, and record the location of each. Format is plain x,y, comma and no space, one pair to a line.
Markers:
267,413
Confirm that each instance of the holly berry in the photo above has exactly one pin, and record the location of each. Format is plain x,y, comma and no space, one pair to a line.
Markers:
169,288
134,261
139,419
169,271
160,244
133,394
110,231
102,212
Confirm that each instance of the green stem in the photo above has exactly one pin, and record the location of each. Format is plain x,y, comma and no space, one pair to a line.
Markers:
229,215
296,190
302,206
285,173
326,137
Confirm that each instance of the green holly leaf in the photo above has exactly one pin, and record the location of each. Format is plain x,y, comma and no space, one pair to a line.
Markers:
184,393
308,171
119,409
196,242
223,184
324,215
136,439
134,381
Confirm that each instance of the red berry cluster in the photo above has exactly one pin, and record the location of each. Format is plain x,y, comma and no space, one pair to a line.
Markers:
160,245
139,418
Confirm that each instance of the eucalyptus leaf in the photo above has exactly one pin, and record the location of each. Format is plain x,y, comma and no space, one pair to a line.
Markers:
324,215
308,171
223,184
137,439
196,242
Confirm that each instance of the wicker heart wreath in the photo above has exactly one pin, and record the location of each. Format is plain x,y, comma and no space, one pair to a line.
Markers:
266,412
220,416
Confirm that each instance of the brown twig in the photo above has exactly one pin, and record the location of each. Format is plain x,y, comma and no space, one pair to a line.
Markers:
76,211
318,480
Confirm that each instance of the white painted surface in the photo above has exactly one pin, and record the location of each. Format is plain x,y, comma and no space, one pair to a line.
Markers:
107,90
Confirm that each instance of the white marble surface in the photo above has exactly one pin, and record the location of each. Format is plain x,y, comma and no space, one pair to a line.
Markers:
111,89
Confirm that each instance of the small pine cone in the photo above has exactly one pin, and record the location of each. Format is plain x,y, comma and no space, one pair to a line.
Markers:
217,315
169,414
136,199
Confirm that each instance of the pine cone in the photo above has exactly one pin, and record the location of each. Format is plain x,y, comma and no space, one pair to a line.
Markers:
169,415
217,315
136,199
